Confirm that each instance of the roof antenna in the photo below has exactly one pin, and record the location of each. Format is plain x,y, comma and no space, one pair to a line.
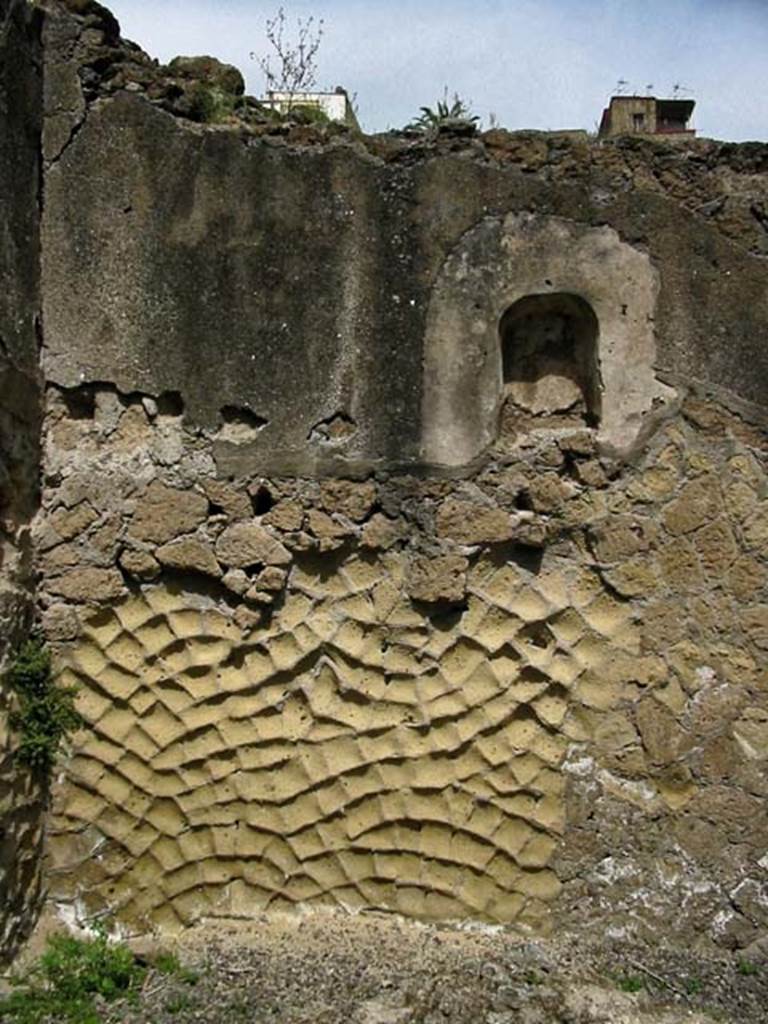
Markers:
679,90
649,89
621,87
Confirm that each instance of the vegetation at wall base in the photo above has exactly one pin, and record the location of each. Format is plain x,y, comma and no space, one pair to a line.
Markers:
169,964
45,713
92,981
630,983
71,978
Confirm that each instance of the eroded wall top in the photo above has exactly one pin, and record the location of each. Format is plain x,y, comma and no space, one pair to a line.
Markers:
285,285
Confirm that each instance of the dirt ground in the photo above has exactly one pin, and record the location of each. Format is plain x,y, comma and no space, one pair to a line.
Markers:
331,968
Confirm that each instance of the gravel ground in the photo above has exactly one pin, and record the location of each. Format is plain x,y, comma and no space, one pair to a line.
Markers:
330,968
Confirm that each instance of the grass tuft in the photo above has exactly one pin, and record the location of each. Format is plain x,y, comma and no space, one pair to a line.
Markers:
747,968
629,983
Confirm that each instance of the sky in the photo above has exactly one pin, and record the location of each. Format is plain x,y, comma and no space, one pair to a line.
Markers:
544,64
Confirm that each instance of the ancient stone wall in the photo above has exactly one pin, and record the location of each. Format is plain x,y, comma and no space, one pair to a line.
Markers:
404,516
20,420
411,693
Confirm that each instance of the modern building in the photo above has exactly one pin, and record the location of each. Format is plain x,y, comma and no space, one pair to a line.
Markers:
335,105
647,115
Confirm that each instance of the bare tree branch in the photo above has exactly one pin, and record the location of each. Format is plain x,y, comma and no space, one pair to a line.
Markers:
291,67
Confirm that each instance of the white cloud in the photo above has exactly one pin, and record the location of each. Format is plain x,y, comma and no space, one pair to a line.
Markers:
534,63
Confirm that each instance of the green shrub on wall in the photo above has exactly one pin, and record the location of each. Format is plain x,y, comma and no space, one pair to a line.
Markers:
212,105
431,118
305,113
45,713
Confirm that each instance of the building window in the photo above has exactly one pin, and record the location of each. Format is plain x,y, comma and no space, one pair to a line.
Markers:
550,357
638,122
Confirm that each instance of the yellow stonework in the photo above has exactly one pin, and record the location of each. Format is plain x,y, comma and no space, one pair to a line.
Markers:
351,751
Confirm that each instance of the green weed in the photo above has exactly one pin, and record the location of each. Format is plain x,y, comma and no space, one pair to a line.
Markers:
45,712
629,983
179,1002
747,968
169,963
166,963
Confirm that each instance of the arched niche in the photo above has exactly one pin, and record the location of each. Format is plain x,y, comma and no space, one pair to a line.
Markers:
550,357
560,278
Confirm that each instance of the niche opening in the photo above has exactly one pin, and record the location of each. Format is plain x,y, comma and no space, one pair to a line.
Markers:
550,357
